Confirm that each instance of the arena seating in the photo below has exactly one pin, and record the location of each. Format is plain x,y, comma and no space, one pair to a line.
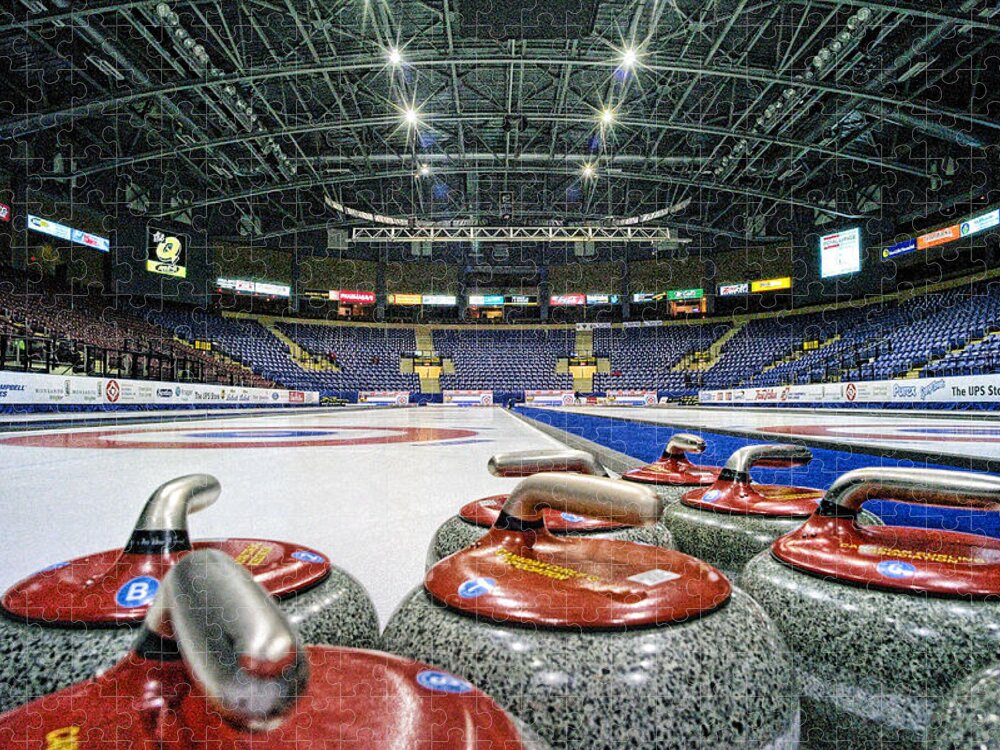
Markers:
646,357
936,334
505,360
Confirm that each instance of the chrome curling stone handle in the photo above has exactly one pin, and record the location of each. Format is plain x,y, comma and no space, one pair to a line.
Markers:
235,641
162,525
594,497
683,443
772,455
925,486
525,463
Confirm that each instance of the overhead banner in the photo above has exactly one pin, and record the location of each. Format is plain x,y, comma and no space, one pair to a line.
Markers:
980,223
938,237
352,297
900,248
63,232
246,286
166,252
567,300
840,253
732,290
486,300
963,389
440,300
405,299
468,398
27,388
771,285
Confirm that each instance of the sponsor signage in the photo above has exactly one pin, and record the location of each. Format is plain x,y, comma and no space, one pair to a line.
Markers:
641,297
4,212
405,299
384,398
166,252
245,286
732,290
353,297
486,300
964,389
681,294
520,299
770,285
978,223
631,398
550,398
938,237
62,232
840,253
900,248
440,300
467,398
567,300
598,299
36,388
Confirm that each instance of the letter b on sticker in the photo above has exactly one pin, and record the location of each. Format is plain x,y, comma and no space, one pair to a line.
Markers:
137,592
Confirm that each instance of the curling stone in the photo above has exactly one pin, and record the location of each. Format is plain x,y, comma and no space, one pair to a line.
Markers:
673,472
969,718
882,620
734,519
74,618
475,518
602,643
217,664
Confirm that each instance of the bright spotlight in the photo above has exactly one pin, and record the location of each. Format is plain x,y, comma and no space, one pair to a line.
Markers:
395,57
424,170
629,58
588,170
411,116
607,116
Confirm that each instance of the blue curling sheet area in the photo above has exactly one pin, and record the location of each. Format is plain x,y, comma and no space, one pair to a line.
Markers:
645,442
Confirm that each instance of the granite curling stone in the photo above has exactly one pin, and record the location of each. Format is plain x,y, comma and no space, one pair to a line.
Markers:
969,719
74,618
882,620
734,519
602,643
673,473
217,664
475,519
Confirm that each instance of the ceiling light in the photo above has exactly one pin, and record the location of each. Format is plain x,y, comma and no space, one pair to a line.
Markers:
629,58
425,170
411,116
395,57
607,116
588,170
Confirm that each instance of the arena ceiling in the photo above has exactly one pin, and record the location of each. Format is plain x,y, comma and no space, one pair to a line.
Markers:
726,117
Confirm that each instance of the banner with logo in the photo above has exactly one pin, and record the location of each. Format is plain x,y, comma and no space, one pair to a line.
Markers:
549,398
384,398
962,389
468,398
166,252
631,398
27,388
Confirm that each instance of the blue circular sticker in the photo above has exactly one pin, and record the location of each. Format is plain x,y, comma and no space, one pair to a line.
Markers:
137,592
711,496
895,569
476,587
571,517
442,682
307,556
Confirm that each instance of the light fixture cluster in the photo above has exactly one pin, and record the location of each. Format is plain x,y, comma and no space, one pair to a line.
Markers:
821,64
195,55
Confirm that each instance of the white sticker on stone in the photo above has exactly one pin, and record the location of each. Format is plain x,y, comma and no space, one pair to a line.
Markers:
654,577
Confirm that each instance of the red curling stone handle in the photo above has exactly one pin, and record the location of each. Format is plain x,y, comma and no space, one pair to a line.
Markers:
235,641
526,463
924,486
595,497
